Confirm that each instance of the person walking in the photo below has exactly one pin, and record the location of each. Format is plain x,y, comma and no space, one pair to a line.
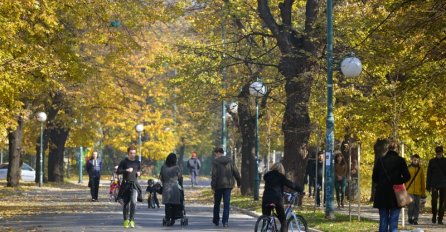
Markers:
436,183
172,180
416,187
194,166
310,174
389,170
222,182
130,191
275,180
319,175
341,178
94,166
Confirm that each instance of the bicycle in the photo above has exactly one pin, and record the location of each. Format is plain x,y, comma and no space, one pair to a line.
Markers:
295,222
267,223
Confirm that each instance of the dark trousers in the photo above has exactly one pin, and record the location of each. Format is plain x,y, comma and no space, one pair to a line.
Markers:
94,187
340,191
280,210
130,204
152,195
438,193
218,195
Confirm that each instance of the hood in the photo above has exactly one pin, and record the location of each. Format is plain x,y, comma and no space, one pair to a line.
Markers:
222,160
271,175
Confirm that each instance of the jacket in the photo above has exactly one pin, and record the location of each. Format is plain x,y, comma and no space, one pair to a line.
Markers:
94,168
274,183
418,186
436,173
388,170
172,184
340,171
223,173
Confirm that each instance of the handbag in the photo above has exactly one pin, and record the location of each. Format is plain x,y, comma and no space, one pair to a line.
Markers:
402,196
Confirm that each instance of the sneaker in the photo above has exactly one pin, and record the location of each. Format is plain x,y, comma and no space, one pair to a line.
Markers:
225,224
132,224
126,224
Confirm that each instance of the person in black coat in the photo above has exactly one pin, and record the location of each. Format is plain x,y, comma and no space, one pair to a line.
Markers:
275,180
389,170
436,183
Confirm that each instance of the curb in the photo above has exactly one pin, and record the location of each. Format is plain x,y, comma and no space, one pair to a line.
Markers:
256,215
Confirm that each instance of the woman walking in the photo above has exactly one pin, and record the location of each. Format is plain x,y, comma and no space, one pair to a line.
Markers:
340,182
172,181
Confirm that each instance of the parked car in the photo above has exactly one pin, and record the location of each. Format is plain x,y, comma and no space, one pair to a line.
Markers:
28,173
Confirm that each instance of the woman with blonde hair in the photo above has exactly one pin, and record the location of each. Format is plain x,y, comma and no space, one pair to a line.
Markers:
275,180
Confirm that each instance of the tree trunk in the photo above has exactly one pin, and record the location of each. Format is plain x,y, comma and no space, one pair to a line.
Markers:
58,137
181,154
15,146
247,130
296,63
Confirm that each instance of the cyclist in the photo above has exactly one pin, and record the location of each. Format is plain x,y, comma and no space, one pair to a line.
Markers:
275,180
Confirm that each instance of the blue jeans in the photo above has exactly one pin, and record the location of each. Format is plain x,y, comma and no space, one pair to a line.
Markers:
226,195
388,219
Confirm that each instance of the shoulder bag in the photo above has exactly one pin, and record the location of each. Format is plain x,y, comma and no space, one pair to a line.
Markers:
402,196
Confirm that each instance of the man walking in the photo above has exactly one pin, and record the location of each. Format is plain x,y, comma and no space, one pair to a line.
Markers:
222,182
94,166
130,191
436,183
194,166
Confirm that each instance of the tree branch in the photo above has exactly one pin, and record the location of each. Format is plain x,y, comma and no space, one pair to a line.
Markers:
267,17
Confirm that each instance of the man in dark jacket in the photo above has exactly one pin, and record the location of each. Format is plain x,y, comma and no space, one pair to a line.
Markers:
436,183
389,170
94,166
310,174
222,182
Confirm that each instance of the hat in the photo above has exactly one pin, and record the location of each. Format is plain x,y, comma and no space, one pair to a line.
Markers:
439,149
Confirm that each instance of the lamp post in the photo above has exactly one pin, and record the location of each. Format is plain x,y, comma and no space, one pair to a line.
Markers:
41,117
257,89
139,128
350,67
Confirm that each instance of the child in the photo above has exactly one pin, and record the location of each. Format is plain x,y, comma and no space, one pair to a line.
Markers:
152,189
114,185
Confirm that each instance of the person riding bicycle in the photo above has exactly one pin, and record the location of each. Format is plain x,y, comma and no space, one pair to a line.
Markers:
275,180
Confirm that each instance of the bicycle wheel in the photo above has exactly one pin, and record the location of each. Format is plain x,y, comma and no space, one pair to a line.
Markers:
264,224
297,224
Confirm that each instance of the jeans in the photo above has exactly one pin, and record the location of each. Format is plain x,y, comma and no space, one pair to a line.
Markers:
414,208
438,193
218,195
340,191
388,220
94,187
130,205
193,176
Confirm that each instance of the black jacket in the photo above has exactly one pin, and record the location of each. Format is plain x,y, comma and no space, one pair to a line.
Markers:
397,173
274,183
436,173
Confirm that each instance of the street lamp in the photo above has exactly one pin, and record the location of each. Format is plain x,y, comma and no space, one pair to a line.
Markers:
139,128
257,89
41,117
351,67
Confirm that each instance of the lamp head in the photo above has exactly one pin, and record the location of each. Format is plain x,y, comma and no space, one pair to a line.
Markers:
351,67
257,89
139,128
41,116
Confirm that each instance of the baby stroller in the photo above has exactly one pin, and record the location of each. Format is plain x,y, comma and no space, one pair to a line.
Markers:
179,213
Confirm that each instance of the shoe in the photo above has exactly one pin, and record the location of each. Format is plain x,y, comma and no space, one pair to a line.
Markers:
132,224
434,220
215,222
225,224
410,221
440,222
126,223
415,222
